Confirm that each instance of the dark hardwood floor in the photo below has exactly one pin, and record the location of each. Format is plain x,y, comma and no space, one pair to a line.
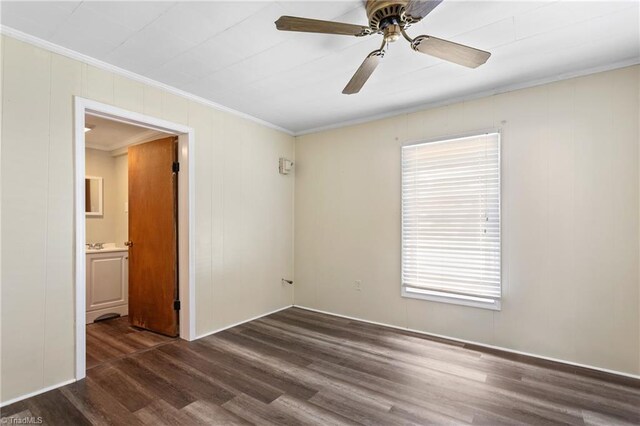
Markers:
300,367
113,339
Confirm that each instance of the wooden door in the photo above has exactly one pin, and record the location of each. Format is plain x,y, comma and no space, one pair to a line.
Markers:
153,252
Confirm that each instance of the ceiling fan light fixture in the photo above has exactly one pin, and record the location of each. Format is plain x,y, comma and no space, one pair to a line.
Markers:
392,33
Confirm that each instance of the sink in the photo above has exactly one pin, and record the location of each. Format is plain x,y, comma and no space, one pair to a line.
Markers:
106,248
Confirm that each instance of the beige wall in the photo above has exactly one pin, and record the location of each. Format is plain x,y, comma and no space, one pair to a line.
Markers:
244,210
112,226
570,220
121,168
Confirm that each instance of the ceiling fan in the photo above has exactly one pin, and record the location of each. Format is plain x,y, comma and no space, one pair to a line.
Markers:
390,18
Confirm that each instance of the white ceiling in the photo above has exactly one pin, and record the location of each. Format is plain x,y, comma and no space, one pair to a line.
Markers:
232,54
111,135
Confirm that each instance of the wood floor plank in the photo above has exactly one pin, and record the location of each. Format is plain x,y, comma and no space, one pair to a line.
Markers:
274,351
98,406
356,409
426,400
300,367
307,413
600,419
110,340
55,409
426,346
379,366
161,412
100,351
366,347
125,389
402,362
429,355
419,415
559,367
223,374
152,384
572,400
291,372
276,337
263,372
13,409
398,347
259,413
583,385
113,337
469,395
208,413
186,369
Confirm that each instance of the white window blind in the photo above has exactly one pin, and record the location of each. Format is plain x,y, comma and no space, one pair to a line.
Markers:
451,218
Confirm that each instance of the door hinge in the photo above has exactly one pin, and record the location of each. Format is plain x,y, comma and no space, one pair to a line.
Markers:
176,305
175,167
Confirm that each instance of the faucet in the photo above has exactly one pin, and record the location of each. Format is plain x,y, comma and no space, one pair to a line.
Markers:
95,246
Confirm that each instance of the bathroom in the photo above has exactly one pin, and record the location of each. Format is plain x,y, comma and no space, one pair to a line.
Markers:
121,165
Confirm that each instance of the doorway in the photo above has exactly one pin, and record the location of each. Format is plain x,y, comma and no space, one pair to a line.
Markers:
157,247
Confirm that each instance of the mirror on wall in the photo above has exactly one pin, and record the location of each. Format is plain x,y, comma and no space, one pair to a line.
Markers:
93,195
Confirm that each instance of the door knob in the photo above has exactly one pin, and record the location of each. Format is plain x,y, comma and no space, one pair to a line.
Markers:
128,243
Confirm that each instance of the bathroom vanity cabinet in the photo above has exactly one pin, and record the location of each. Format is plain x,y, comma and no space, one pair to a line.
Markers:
107,283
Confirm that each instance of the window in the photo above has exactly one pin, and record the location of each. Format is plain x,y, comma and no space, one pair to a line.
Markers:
451,220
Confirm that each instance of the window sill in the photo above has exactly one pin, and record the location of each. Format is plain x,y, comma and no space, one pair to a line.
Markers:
434,296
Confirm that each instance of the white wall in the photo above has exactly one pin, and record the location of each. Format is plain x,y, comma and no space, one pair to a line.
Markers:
570,220
244,209
112,226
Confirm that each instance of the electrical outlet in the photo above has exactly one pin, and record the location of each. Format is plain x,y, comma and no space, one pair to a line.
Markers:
357,285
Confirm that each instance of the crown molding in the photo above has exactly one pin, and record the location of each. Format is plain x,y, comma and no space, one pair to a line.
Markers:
27,38
483,94
47,45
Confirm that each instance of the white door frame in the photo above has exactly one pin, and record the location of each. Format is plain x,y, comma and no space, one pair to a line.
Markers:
186,216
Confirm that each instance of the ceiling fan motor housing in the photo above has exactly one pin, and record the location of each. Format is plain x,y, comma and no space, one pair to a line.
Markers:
382,13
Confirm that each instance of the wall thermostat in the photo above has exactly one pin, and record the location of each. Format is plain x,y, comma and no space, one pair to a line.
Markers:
285,166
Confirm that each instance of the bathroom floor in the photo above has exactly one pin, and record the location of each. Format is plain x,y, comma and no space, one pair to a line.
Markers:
113,339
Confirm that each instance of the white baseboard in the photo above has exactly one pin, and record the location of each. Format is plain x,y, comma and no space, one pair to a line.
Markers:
122,310
218,330
471,342
34,393
52,387
618,373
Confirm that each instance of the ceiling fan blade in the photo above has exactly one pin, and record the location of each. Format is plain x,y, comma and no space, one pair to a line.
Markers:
418,9
364,72
450,51
306,25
